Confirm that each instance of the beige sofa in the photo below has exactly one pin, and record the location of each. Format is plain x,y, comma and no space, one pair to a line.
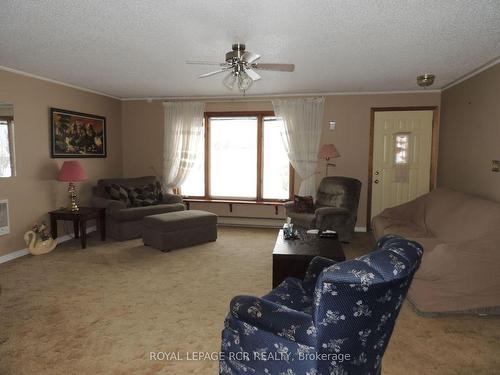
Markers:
460,270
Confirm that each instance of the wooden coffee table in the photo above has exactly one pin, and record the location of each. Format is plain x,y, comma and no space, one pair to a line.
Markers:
292,257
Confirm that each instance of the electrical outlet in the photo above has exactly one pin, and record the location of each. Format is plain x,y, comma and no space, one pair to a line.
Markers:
495,165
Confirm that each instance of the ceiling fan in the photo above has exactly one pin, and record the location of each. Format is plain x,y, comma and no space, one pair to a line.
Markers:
241,66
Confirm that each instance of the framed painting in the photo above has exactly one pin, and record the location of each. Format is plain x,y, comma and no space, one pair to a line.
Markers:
77,135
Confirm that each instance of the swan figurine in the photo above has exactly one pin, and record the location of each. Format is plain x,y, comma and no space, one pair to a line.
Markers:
37,246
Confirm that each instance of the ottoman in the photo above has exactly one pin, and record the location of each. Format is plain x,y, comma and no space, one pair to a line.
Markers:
174,230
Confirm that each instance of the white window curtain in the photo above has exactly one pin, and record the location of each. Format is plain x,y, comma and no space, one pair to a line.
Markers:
182,140
302,134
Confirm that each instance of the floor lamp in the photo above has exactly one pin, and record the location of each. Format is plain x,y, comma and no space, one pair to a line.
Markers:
328,152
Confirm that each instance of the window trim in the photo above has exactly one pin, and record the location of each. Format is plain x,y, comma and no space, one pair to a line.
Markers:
260,134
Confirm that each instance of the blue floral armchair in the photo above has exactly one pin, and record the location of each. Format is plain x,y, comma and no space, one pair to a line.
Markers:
337,321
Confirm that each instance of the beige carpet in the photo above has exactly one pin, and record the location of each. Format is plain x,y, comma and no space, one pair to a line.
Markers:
104,309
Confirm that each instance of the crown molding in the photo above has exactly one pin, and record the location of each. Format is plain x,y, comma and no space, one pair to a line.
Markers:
471,74
270,96
20,72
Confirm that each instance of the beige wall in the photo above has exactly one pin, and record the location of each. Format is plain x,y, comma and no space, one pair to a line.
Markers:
143,133
35,191
470,135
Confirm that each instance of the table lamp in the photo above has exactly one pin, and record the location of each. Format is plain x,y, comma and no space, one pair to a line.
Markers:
328,152
72,171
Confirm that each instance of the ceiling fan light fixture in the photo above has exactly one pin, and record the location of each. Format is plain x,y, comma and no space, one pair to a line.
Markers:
230,80
244,81
242,67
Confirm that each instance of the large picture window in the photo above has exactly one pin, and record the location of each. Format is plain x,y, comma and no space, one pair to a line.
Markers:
243,159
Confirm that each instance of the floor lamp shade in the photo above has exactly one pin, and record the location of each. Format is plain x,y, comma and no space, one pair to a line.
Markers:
328,152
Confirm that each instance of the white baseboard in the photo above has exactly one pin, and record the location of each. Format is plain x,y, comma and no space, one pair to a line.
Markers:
22,252
13,255
360,229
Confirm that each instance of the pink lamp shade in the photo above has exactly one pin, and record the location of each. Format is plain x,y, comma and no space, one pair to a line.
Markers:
328,152
72,171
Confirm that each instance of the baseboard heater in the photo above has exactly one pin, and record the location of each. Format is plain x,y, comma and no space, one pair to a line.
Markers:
250,222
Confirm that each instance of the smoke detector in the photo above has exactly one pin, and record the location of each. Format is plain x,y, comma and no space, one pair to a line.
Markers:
425,80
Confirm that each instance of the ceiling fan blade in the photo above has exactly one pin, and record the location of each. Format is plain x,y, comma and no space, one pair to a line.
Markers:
276,67
249,57
212,73
205,63
252,74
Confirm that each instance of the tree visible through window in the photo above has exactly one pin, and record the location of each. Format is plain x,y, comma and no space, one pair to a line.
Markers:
245,159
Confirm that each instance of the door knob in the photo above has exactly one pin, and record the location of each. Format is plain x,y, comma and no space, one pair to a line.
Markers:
376,181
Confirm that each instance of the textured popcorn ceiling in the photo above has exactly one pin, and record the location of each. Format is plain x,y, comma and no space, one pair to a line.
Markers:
138,48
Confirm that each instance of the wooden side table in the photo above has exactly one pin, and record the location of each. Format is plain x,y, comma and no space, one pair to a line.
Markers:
79,219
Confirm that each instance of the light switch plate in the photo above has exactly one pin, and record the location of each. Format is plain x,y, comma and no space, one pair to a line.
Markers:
495,165
332,125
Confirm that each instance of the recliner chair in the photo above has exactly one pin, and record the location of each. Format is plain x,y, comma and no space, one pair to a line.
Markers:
338,320
336,207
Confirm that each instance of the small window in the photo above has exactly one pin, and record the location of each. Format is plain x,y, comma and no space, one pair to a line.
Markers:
6,146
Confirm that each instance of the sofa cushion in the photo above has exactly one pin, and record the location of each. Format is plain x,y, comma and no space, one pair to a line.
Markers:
118,193
125,182
456,216
459,277
137,213
303,204
403,228
173,221
145,195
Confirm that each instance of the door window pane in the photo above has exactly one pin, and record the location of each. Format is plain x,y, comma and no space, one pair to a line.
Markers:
233,157
275,164
401,154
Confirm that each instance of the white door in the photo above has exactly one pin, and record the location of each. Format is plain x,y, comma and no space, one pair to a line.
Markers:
402,145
